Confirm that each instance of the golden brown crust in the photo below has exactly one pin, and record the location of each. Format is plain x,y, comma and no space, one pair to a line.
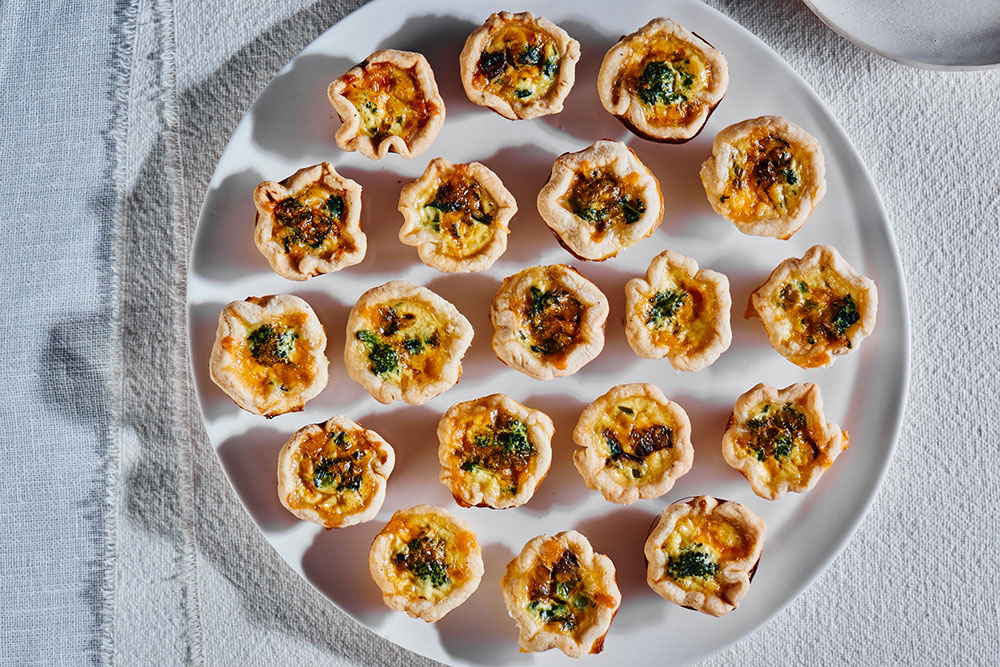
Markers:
543,582
462,243
297,258
815,308
399,110
601,200
494,452
780,440
426,562
663,81
636,443
724,533
548,321
413,347
335,473
678,311
289,366
766,175
541,88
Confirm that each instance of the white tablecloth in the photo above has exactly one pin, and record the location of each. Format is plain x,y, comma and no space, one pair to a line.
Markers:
123,543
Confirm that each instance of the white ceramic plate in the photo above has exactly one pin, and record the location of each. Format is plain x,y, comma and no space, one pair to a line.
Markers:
922,33
292,125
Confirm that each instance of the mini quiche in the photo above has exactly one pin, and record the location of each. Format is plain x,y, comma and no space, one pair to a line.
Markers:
561,594
494,452
679,312
815,308
765,176
663,81
388,102
334,474
457,216
426,562
309,223
635,442
548,321
780,440
703,553
404,342
269,354
519,65
601,200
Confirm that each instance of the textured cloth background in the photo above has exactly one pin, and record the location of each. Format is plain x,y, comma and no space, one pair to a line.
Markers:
123,543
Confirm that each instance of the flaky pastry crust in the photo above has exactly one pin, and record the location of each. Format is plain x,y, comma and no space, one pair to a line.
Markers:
404,342
663,81
548,321
426,562
396,105
494,452
335,473
269,354
679,312
703,553
635,443
457,216
520,65
601,200
574,608
309,237
780,440
766,176
815,308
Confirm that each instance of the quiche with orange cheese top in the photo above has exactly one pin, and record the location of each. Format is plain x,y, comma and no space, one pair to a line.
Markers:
601,200
562,594
663,81
494,452
457,216
635,443
679,312
703,553
780,440
388,102
335,473
309,223
269,354
765,176
404,342
548,321
519,65
426,562
815,308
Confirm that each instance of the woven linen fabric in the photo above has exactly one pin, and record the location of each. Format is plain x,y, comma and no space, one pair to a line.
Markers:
138,551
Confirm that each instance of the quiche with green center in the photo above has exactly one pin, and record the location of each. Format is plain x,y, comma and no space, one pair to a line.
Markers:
335,473
702,554
780,440
269,354
309,223
457,216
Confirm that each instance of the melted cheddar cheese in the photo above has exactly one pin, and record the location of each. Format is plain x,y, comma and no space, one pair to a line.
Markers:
678,313
268,359
698,547
519,64
668,77
607,202
461,212
407,341
311,223
817,309
778,438
550,319
766,175
335,474
494,452
638,433
427,555
389,100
